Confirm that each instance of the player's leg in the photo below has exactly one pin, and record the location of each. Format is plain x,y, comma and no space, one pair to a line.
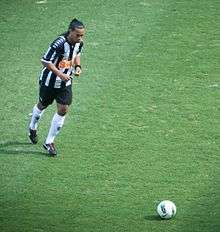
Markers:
45,99
37,112
56,125
64,99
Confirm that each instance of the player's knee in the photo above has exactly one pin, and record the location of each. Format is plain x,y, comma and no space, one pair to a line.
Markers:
62,113
62,110
40,106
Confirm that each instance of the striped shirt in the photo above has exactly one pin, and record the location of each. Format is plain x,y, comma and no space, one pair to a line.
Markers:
61,53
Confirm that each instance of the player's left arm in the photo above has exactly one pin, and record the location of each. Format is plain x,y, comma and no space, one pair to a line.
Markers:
77,63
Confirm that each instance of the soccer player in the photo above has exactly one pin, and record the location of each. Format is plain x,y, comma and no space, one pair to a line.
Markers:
61,60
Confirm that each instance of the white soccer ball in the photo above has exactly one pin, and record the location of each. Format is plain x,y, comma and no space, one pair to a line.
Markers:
166,209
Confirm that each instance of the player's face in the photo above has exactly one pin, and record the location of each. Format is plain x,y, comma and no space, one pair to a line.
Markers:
76,36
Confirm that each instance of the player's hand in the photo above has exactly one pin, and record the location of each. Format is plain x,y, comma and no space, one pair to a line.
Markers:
77,71
65,77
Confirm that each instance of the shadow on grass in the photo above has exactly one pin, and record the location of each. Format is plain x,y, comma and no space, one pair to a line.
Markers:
152,218
13,143
18,148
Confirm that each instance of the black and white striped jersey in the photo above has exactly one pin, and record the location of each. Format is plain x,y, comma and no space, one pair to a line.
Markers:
61,53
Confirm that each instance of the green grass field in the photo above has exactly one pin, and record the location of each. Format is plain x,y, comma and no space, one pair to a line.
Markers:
143,127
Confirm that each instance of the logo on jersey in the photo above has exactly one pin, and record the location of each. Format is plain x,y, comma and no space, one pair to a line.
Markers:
65,64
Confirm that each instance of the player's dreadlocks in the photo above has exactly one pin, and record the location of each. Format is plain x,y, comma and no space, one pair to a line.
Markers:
75,23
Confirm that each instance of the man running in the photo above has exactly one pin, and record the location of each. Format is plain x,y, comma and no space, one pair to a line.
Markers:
61,60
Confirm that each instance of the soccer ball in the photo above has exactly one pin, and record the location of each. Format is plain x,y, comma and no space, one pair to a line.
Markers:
166,209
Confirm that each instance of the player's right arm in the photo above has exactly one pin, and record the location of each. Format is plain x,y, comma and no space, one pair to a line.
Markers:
56,71
52,54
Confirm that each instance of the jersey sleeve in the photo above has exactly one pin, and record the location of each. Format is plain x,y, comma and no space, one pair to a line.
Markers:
54,50
80,49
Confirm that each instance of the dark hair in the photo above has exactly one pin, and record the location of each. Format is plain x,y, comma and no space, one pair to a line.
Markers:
75,23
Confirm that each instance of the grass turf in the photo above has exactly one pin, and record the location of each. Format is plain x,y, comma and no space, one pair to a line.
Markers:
144,125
